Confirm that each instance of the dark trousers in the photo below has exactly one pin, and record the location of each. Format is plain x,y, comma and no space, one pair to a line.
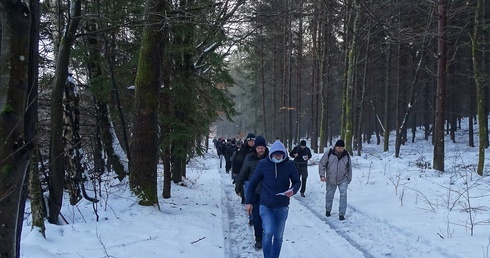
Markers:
256,218
303,173
228,165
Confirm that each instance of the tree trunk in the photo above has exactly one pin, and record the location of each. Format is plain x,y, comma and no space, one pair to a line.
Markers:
326,126
56,168
440,113
144,149
71,129
480,96
298,123
31,123
399,103
262,88
165,116
315,80
288,135
14,154
360,103
386,110
351,81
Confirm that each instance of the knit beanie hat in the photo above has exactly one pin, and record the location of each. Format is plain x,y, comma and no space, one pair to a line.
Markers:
260,141
303,143
340,143
250,136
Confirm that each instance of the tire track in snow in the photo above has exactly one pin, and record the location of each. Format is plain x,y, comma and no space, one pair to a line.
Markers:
374,237
239,235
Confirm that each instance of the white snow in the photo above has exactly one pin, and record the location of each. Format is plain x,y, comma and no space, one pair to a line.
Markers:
397,207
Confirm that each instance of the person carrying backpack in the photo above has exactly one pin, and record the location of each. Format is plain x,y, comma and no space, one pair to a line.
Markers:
336,170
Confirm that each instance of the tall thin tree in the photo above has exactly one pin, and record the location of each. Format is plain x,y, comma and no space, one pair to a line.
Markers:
440,112
56,169
480,96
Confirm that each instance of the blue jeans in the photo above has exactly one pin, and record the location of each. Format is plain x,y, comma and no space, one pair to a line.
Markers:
273,222
343,196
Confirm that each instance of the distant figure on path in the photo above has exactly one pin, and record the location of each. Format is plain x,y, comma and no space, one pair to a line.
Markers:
301,155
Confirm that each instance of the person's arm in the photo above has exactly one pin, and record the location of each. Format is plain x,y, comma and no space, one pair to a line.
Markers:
244,173
295,181
349,169
309,153
253,182
322,167
252,185
292,152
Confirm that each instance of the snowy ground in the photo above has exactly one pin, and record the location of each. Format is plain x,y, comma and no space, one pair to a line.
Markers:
397,208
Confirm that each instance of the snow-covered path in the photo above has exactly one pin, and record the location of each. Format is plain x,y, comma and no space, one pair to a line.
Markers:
310,234
395,210
305,231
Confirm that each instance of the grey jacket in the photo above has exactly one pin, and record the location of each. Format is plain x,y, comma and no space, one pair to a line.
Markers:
336,168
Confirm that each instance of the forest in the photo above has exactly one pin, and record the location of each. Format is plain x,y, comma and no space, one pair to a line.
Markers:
118,87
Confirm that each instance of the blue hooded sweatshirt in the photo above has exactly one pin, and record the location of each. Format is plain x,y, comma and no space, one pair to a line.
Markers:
275,178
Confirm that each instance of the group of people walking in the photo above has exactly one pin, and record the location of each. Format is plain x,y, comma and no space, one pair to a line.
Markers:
265,179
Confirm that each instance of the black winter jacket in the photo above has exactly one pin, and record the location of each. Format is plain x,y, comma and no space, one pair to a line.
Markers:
247,170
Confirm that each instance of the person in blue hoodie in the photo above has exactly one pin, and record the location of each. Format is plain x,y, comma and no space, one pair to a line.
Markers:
279,181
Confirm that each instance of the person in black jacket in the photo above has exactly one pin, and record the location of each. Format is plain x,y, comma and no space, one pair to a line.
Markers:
260,151
245,149
220,148
237,160
230,149
301,155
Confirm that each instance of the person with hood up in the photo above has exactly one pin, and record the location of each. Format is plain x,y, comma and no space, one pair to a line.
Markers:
335,169
279,181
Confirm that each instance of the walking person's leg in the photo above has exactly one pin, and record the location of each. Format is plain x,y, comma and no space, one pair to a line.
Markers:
257,221
267,216
304,176
330,192
280,216
343,199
